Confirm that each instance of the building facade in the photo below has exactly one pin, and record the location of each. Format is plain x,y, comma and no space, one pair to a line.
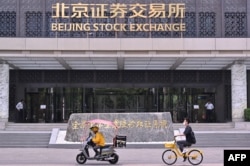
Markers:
80,56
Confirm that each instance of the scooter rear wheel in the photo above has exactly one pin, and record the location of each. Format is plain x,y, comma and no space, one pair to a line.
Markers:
115,160
81,159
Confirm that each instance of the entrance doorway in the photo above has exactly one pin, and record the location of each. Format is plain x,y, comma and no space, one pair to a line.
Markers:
38,106
185,102
55,104
52,105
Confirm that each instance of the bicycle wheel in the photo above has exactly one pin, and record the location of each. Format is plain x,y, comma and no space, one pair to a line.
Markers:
195,157
169,157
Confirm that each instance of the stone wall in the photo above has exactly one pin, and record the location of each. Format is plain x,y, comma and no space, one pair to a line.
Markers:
138,127
4,92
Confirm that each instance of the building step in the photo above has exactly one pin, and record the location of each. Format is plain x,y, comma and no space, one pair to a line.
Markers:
34,126
222,139
202,140
63,126
212,138
206,126
26,140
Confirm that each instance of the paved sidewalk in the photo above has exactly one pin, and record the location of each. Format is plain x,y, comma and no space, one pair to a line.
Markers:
127,157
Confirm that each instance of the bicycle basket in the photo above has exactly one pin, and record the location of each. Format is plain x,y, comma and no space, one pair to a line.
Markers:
170,144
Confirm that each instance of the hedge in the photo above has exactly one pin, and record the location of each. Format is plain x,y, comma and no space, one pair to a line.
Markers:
247,114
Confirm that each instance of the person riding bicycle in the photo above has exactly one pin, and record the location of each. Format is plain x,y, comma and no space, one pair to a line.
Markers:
188,142
97,141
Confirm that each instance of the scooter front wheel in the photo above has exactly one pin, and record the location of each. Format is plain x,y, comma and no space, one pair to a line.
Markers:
115,158
81,159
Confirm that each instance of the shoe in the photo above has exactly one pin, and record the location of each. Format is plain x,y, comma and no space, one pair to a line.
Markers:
184,151
97,155
184,155
184,158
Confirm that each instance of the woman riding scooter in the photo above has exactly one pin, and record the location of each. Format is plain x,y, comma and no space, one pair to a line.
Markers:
97,141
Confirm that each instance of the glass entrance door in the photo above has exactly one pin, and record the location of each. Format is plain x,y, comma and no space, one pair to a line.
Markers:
56,104
121,100
38,106
184,102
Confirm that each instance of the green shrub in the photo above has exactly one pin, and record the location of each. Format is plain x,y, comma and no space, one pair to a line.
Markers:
247,114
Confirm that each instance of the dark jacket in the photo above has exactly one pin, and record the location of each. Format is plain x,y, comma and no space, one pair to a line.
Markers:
187,133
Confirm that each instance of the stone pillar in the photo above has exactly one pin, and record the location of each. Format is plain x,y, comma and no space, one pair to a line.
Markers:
239,91
4,92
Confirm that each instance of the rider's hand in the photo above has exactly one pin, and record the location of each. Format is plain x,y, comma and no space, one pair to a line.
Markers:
179,135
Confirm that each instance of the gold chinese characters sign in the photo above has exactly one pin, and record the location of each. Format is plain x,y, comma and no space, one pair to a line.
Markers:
157,124
117,12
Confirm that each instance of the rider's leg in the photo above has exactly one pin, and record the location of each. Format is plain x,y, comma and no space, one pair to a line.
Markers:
96,151
87,151
181,145
185,144
101,150
91,143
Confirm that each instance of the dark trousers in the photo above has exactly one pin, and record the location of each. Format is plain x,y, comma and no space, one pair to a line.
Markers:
209,114
20,116
183,144
95,147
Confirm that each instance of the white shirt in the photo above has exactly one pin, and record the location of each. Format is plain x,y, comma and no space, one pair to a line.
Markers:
19,105
209,106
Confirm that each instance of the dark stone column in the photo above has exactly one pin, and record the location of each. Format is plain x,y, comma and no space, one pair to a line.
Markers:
220,103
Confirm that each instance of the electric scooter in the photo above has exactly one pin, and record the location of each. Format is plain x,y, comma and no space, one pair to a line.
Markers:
107,154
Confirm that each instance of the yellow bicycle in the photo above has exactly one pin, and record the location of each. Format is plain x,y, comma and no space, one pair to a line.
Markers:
169,156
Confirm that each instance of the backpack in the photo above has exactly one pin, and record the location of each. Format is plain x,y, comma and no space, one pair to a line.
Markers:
193,139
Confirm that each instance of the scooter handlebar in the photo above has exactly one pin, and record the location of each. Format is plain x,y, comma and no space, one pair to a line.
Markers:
89,138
